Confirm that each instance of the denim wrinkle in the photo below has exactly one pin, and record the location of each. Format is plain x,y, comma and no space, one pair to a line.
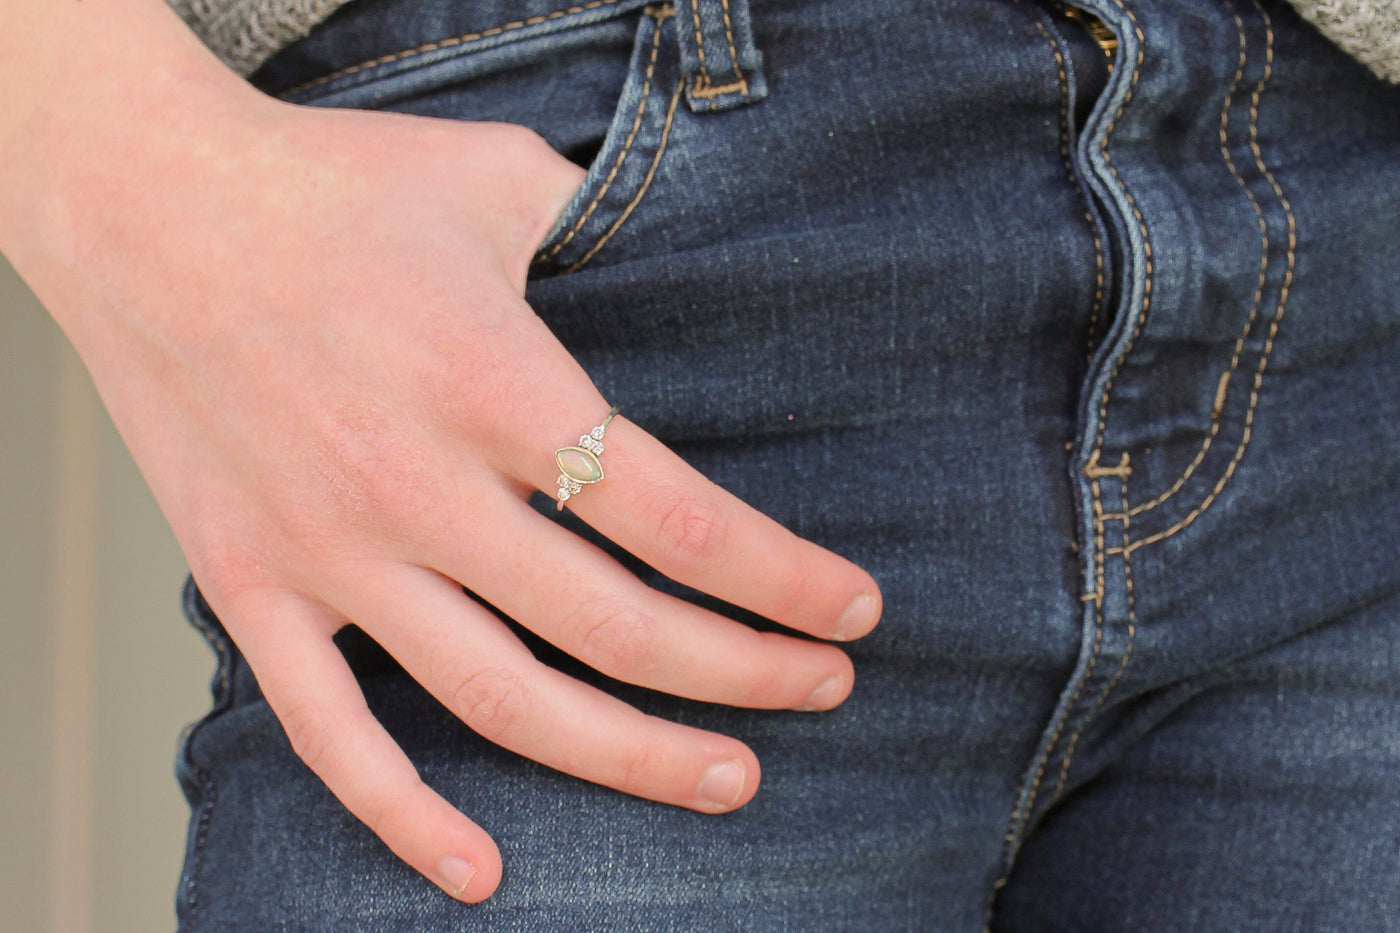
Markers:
1091,363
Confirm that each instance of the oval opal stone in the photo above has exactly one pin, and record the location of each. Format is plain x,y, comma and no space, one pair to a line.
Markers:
578,464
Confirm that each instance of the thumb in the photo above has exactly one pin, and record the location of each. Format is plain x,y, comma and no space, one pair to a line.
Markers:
542,183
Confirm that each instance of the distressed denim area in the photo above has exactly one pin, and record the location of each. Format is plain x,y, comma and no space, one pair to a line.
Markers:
1091,361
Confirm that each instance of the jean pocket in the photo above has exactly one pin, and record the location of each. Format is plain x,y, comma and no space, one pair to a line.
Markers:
621,171
599,82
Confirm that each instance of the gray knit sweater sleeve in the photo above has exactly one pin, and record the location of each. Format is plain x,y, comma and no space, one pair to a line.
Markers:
1369,30
245,33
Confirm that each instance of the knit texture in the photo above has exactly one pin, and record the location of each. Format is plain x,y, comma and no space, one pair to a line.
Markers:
1369,30
246,33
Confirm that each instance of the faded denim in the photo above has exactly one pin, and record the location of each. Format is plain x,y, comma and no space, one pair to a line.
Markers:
1095,370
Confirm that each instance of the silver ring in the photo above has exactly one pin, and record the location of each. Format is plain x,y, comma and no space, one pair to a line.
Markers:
579,466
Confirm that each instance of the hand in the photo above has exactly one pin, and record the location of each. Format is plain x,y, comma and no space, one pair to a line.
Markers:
319,354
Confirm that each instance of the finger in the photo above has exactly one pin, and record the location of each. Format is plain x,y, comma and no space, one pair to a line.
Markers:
313,693
581,600
470,661
665,512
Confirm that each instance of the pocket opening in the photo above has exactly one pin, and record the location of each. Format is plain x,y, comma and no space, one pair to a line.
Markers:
622,170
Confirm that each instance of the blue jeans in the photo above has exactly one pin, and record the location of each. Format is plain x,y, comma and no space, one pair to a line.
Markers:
1092,362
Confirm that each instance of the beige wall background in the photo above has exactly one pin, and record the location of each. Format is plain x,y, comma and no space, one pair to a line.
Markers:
99,671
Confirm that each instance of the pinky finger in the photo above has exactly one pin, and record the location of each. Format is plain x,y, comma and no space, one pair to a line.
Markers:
319,703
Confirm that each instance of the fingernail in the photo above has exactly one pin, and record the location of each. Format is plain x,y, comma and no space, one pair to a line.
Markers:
828,693
858,618
722,783
456,874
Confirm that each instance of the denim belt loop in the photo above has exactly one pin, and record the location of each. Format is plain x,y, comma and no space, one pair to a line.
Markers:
721,67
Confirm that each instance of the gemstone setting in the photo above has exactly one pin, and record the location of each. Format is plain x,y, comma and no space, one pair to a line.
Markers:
579,465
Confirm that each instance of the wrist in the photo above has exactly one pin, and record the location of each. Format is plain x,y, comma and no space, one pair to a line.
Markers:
98,114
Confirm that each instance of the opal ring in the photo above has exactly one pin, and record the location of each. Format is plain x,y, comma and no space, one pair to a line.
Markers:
579,466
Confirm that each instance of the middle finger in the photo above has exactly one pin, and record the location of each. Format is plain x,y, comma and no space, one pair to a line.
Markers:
578,598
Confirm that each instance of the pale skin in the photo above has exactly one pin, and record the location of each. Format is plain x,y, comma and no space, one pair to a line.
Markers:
309,327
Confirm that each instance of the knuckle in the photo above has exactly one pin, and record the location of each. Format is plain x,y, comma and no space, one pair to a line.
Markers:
637,772
518,140
233,575
795,588
385,815
369,472
234,554
394,485
691,531
492,702
616,639
523,150
766,683
310,737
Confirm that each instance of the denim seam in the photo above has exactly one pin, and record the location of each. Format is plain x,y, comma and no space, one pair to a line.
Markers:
626,147
1094,313
201,839
699,41
223,700
449,43
1096,307
1128,649
719,90
646,183
1091,470
1223,384
1291,254
1148,270
733,52
1026,801
1023,811
704,85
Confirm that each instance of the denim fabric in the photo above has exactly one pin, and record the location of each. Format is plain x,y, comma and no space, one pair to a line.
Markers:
1094,369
